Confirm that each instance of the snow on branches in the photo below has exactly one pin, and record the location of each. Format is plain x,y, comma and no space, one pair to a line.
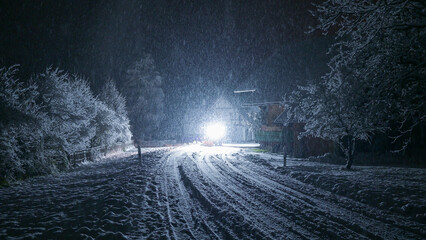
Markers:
18,133
342,113
376,76
380,44
112,121
69,107
42,123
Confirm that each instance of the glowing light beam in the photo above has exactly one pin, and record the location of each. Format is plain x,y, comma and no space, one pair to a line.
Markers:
215,131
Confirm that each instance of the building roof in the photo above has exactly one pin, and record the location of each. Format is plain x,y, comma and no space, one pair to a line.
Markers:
281,118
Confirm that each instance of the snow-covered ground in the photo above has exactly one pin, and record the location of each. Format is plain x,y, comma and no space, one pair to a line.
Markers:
196,192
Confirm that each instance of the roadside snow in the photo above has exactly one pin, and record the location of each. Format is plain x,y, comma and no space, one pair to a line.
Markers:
399,190
196,192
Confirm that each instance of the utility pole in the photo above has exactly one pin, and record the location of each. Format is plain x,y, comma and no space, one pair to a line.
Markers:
284,156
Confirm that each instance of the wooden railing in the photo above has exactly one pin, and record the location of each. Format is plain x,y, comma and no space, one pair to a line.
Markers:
90,154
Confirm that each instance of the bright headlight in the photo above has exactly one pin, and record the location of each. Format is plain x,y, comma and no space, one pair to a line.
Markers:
215,131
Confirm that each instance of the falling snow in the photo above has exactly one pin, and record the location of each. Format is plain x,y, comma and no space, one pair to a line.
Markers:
252,106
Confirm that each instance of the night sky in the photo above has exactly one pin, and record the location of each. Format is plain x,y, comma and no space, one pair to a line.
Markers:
98,38
202,49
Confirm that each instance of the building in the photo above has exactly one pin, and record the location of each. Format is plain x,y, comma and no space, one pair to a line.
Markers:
304,147
270,133
238,126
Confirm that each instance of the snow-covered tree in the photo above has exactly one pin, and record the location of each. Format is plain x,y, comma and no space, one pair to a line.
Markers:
337,110
55,115
69,109
145,99
376,73
15,95
19,130
381,44
111,120
105,121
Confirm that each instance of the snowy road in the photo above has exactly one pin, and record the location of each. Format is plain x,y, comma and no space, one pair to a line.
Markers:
196,192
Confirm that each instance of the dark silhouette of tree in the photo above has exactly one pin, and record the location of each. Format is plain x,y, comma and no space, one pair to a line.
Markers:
145,100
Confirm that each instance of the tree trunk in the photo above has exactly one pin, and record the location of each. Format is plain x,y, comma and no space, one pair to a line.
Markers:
349,160
350,152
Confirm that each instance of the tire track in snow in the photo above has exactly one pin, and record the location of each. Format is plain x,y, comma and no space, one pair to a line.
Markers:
206,209
186,219
173,186
286,219
363,225
320,214
151,223
258,216
188,193
401,224
210,210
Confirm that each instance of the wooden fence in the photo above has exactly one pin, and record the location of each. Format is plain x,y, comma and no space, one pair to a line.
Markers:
92,153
